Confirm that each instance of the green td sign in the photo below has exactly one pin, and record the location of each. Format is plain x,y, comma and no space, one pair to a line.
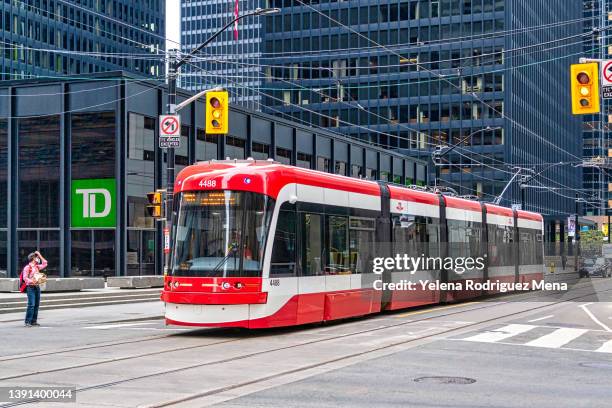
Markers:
93,203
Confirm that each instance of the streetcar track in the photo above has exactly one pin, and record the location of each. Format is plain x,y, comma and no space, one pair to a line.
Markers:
246,356
315,365
220,342
124,358
157,337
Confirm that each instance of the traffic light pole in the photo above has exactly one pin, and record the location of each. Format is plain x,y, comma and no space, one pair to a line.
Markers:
576,236
170,109
174,64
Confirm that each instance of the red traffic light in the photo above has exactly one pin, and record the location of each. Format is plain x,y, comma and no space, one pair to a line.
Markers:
583,78
215,103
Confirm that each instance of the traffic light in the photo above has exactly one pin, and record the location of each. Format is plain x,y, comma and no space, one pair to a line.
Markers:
155,204
217,112
585,88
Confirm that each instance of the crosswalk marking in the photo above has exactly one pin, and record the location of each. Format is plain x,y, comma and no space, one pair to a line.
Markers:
546,337
606,348
557,338
501,334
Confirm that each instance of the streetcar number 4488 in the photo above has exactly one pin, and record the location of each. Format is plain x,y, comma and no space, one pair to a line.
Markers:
208,183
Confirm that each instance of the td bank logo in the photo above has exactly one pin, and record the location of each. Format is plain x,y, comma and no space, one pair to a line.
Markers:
93,203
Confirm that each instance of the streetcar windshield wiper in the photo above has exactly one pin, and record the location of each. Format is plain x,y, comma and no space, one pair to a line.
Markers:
233,250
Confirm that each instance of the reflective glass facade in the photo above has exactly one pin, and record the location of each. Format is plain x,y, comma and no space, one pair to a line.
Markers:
58,137
232,60
57,37
597,129
410,75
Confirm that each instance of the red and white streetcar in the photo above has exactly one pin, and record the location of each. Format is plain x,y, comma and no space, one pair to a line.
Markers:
260,244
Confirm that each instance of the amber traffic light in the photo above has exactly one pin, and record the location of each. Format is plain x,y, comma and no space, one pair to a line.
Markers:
585,88
217,112
155,204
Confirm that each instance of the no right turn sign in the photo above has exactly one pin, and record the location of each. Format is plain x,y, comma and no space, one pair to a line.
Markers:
606,79
169,131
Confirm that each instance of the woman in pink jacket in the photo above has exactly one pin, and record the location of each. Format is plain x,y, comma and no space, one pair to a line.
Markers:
36,263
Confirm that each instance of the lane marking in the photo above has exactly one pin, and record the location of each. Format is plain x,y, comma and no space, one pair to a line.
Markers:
592,316
540,318
606,348
601,349
117,326
501,334
418,312
557,338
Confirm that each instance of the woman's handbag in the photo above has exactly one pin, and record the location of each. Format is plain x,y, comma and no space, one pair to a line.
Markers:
40,278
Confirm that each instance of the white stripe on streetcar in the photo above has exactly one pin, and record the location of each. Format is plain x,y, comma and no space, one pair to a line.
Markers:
501,334
557,338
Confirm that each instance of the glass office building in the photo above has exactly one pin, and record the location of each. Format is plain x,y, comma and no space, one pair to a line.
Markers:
597,128
411,75
233,59
50,38
77,157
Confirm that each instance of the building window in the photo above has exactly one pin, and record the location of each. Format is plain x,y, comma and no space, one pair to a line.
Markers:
283,155
340,167
260,151
323,164
206,146
234,147
39,160
141,137
93,137
304,160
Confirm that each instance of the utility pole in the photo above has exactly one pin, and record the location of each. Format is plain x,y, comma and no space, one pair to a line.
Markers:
173,67
170,110
576,236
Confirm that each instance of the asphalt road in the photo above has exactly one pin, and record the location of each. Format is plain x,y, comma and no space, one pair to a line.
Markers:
506,352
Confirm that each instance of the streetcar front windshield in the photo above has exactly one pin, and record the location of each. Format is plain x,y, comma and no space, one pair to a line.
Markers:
220,233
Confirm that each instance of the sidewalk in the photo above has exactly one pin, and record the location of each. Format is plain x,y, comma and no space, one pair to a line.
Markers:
15,302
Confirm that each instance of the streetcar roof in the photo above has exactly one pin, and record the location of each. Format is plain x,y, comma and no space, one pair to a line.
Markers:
269,177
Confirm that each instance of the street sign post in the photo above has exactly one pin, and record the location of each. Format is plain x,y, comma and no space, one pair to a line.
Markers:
571,226
169,131
606,79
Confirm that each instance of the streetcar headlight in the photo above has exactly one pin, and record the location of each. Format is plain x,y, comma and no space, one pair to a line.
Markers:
238,285
176,284
225,285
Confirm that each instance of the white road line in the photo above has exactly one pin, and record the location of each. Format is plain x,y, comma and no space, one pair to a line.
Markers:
540,318
557,338
117,326
501,333
592,316
606,348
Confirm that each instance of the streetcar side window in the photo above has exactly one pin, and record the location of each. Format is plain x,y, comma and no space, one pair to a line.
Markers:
337,246
415,235
312,243
361,244
501,251
284,249
530,247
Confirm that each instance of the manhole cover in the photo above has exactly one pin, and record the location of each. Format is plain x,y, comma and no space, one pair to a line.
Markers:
445,380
